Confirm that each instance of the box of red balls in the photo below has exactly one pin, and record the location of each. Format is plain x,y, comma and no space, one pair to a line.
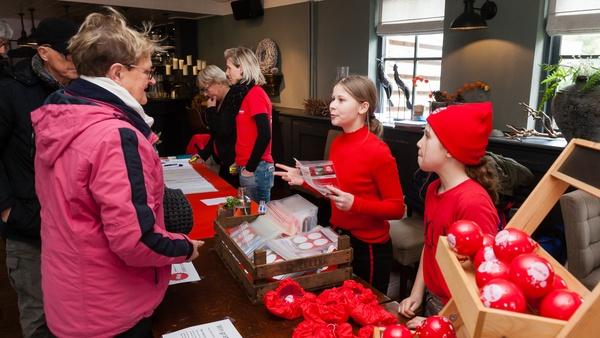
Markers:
510,286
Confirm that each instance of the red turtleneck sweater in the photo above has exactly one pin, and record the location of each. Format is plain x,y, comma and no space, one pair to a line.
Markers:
366,168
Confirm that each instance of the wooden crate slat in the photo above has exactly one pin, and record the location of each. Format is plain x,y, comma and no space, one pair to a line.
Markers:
577,183
234,248
303,264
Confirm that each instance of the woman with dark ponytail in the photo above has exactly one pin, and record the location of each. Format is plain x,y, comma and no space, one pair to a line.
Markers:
369,191
453,146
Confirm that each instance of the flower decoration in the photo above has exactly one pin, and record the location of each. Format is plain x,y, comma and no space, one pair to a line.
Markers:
417,79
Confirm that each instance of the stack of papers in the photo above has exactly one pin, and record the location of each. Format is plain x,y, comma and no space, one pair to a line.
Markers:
179,174
222,329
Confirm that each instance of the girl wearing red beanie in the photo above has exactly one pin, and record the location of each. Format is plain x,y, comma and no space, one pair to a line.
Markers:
369,191
453,146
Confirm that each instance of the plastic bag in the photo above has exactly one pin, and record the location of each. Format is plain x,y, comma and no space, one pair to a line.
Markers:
286,300
372,314
319,329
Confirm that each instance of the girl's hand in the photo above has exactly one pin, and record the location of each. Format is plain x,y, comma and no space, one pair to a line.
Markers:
409,305
342,200
415,322
211,102
290,175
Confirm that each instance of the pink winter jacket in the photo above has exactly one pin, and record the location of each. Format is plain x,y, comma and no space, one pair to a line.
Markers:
106,256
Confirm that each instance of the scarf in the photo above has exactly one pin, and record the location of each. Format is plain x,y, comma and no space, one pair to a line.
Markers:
37,65
121,93
235,96
84,88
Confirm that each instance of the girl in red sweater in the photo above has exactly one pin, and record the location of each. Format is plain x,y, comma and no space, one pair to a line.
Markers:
453,146
369,191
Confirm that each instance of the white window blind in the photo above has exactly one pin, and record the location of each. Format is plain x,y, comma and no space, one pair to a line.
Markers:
573,17
410,16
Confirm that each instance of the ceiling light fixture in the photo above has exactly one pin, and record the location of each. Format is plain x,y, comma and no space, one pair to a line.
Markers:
469,19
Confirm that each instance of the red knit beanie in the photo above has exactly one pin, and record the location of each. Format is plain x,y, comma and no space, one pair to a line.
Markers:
463,130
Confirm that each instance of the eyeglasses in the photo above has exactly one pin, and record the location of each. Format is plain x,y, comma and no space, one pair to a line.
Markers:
205,89
149,73
4,43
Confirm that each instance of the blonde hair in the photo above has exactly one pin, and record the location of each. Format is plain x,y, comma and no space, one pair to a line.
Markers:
105,39
211,74
245,57
362,89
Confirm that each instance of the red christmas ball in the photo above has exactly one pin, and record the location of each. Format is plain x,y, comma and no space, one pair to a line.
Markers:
488,240
511,242
465,237
560,304
489,270
485,254
559,283
396,331
436,327
532,274
504,295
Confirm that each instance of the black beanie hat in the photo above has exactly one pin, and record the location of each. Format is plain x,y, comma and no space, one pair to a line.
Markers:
55,32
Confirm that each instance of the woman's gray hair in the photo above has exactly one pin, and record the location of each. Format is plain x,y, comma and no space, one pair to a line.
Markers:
211,74
6,33
245,57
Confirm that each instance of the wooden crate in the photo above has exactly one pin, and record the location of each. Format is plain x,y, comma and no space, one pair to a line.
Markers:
256,276
577,166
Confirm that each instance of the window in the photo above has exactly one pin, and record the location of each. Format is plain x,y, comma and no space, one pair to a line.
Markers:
411,39
419,64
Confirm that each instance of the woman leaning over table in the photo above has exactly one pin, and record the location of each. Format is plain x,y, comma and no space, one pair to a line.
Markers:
253,124
106,256
223,106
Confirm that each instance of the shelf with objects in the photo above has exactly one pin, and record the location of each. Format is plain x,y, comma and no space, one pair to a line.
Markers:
472,318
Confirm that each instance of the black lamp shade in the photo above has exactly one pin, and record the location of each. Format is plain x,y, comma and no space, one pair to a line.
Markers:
468,20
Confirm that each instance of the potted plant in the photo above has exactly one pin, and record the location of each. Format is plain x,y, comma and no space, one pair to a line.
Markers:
575,95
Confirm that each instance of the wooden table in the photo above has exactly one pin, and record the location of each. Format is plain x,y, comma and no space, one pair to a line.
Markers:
218,296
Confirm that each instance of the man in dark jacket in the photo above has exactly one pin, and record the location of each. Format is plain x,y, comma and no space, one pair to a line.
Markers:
5,35
25,90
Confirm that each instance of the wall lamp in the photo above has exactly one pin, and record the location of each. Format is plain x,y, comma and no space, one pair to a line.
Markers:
469,19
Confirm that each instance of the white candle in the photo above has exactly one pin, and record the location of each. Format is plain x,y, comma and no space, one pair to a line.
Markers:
175,63
198,64
195,70
181,63
185,69
188,60
168,70
203,64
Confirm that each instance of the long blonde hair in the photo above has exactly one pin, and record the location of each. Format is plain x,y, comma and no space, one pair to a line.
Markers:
105,39
245,57
362,89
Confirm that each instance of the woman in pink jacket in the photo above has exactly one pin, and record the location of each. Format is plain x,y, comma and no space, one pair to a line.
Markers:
106,256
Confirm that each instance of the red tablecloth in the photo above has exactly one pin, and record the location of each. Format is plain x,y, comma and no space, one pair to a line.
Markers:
204,215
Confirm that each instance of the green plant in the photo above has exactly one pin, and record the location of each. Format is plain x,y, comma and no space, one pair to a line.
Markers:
232,202
559,75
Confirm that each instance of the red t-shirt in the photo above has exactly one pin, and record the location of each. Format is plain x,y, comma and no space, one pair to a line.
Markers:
469,201
255,102
366,168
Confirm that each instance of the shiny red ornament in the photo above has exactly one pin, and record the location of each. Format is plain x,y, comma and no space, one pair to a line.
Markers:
511,242
533,274
559,283
485,254
504,295
560,304
489,270
465,237
435,327
396,331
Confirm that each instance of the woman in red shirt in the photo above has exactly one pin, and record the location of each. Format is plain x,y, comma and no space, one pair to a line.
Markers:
369,191
253,125
453,146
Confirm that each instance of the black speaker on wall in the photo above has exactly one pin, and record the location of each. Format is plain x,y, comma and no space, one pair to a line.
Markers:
247,9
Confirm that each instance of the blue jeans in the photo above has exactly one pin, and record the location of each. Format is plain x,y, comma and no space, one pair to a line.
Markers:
258,187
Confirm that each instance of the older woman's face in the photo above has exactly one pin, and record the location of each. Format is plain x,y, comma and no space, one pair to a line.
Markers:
136,78
234,73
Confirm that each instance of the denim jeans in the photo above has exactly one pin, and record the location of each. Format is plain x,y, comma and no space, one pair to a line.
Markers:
258,187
